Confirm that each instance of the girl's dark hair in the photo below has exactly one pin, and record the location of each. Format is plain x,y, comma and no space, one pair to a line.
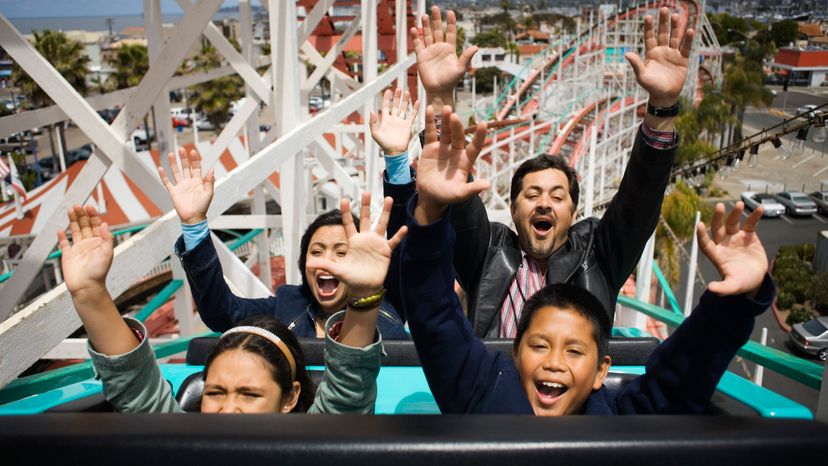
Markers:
574,298
279,366
333,217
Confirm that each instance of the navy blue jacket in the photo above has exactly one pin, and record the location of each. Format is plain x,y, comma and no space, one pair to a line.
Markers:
681,374
220,309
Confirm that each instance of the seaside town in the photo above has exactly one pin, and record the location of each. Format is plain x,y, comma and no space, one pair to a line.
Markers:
408,207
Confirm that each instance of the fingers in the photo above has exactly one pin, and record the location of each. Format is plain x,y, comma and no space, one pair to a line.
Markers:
63,242
458,140
437,24
83,221
195,163
474,188
385,214
395,105
386,102
414,112
675,31
74,226
635,62
174,167
210,179
649,34
327,265
451,29
717,223
373,123
185,163
479,139
753,220
347,218
732,222
428,39
663,30
365,212
166,181
406,98
106,233
430,125
446,136
95,220
705,243
466,57
398,237
687,43
724,287
415,39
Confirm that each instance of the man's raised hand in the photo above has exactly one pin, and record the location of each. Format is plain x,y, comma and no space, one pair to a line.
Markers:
439,66
666,57
191,194
735,251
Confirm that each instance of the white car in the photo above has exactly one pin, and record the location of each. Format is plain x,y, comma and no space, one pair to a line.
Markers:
808,110
772,207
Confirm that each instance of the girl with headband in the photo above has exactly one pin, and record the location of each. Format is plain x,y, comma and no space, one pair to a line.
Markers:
256,366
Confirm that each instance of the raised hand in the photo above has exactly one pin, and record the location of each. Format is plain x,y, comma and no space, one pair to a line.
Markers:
191,194
444,166
392,131
666,58
365,265
736,252
439,66
86,260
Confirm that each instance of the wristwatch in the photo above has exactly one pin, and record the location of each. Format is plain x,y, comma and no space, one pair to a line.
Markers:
663,112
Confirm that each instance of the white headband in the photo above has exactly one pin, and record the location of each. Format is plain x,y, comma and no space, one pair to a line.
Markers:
270,337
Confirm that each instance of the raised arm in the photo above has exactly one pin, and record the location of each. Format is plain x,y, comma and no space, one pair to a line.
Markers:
362,270
191,194
634,211
131,379
682,373
438,65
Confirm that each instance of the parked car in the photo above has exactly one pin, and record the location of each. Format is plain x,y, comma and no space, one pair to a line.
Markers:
807,109
772,207
820,198
81,153
811,337
109,114
205,125
797,203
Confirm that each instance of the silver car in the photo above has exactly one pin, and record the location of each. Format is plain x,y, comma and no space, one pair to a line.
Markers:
812,337
821,200
772,207
797,203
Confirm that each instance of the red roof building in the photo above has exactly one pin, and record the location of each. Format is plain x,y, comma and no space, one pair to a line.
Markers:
805,67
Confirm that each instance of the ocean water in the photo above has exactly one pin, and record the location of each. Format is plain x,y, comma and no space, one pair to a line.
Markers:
94,23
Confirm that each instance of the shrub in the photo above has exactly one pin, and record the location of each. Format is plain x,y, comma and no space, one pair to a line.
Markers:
785,300
818,292
799,314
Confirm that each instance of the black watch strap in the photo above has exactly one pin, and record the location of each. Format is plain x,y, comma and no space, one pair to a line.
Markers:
663,112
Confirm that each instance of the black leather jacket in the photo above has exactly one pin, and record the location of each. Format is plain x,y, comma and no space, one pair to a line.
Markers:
599,255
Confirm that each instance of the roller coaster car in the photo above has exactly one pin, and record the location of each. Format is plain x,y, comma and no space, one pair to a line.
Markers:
403,439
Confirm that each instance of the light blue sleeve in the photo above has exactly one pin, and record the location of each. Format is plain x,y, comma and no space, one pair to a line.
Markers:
193,234
397,170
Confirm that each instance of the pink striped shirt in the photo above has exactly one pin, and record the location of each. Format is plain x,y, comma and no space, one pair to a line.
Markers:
529,279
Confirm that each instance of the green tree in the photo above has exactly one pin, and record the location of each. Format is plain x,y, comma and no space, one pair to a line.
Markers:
214,98
69,59
484,79
744,84
678,212
129,64
493,38
784,32
461,40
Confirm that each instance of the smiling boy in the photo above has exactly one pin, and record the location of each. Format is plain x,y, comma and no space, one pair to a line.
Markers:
560,350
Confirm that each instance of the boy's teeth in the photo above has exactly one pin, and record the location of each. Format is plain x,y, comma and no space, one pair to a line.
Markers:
326,277
552,384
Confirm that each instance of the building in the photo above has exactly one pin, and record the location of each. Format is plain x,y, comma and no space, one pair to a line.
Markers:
804,67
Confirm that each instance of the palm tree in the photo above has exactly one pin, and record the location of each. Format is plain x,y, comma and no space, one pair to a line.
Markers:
69,59
744,85
215,97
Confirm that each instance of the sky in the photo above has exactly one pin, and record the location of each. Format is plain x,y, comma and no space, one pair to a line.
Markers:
64,8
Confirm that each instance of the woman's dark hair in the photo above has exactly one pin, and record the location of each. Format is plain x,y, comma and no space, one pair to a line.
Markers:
574,298
333,217
543,162
279,366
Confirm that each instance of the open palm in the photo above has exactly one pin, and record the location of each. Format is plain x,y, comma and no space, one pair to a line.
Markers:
86,260
736,252
445,164
365,265
392,131
439,66
191,194
666,58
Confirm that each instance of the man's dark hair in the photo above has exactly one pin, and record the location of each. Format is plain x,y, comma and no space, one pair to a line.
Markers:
574,298
333,217
543,162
